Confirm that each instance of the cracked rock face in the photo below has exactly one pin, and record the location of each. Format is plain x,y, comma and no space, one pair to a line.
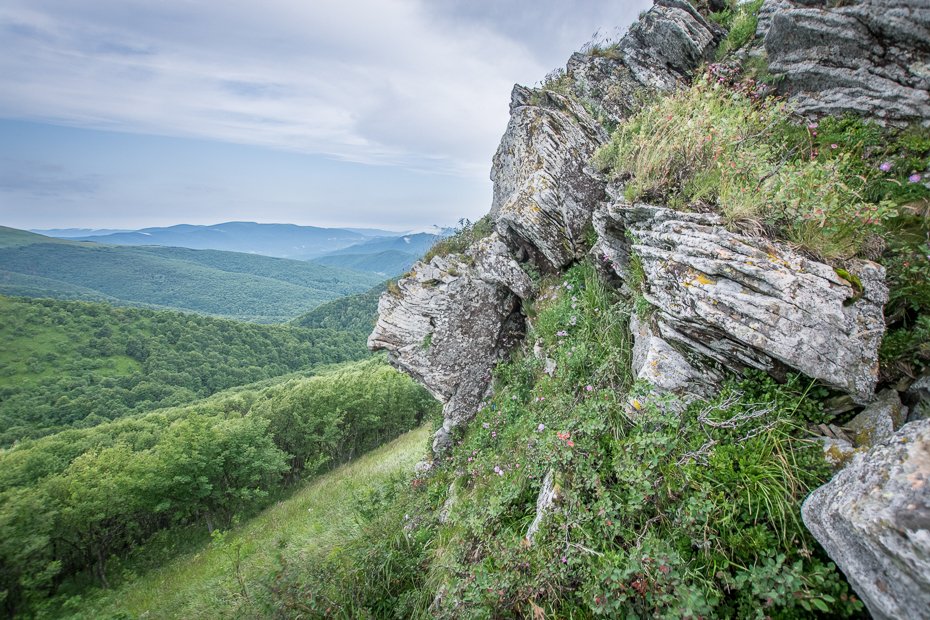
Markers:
748,302
450,324
544,191
658,53
873,519
664,367
871,58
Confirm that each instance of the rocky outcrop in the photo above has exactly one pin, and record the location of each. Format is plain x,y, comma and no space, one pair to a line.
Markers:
665,368
657,54
870,57
748,302
450,322
544,191
873,519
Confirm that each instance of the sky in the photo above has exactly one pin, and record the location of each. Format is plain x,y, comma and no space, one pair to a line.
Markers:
365,113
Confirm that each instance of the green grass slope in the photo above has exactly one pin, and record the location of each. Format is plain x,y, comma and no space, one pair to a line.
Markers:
224,284
217,580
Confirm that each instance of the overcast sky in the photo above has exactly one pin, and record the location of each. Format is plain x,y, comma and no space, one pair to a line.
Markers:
380,113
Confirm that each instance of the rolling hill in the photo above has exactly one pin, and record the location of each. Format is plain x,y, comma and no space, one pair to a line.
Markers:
232,285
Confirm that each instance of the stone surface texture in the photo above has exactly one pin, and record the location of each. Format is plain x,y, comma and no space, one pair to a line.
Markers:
878,422
544,191
660,364
748,302
869,57
917,398
448,327
873,519
668,44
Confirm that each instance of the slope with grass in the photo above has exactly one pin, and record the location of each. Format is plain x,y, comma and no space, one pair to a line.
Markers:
224,284
90,508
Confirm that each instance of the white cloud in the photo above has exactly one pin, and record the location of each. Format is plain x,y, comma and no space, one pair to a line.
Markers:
362,81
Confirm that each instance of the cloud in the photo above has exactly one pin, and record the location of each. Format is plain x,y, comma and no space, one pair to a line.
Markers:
43,179
421,84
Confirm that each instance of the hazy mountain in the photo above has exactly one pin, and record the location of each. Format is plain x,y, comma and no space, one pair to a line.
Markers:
227,284
279,240
71,233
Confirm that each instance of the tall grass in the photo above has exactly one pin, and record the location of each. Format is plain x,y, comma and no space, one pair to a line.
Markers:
205,583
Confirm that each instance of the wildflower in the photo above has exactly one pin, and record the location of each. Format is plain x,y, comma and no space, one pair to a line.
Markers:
832,146
589,388
914,178
485,425
541,428
497,470
514,397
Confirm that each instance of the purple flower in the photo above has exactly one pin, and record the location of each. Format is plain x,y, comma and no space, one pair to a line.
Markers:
589,388
832,146
485,425
541,428
885,167
914,178
497,470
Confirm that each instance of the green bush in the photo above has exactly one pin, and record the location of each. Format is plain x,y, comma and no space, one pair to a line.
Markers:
464,236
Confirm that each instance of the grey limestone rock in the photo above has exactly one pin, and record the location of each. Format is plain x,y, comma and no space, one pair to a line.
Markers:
447,329
748,302
873,519
869,57
544,191
878,422
664,367
545,502
663,49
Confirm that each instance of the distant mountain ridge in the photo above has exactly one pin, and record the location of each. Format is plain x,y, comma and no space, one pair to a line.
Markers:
246,287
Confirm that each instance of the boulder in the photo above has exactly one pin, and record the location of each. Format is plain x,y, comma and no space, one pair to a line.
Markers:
873,519
544,190
870,57
447,327
743,301
878,422
666,369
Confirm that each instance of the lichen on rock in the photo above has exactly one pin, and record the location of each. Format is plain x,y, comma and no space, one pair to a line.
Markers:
748,302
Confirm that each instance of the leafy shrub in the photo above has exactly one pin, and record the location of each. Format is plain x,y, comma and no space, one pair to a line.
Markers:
464,236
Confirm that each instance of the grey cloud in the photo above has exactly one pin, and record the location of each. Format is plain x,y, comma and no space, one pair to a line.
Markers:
45,179
375,81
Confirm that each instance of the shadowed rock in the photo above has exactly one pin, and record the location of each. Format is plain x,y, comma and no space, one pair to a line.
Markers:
450,322
871,58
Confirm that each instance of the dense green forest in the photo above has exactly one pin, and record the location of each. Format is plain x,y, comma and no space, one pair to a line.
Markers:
75,364
388,263
354,313
76,505
240,286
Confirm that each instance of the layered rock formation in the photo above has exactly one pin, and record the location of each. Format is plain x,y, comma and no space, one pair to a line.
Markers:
722,302
748,302
450,322
870,57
